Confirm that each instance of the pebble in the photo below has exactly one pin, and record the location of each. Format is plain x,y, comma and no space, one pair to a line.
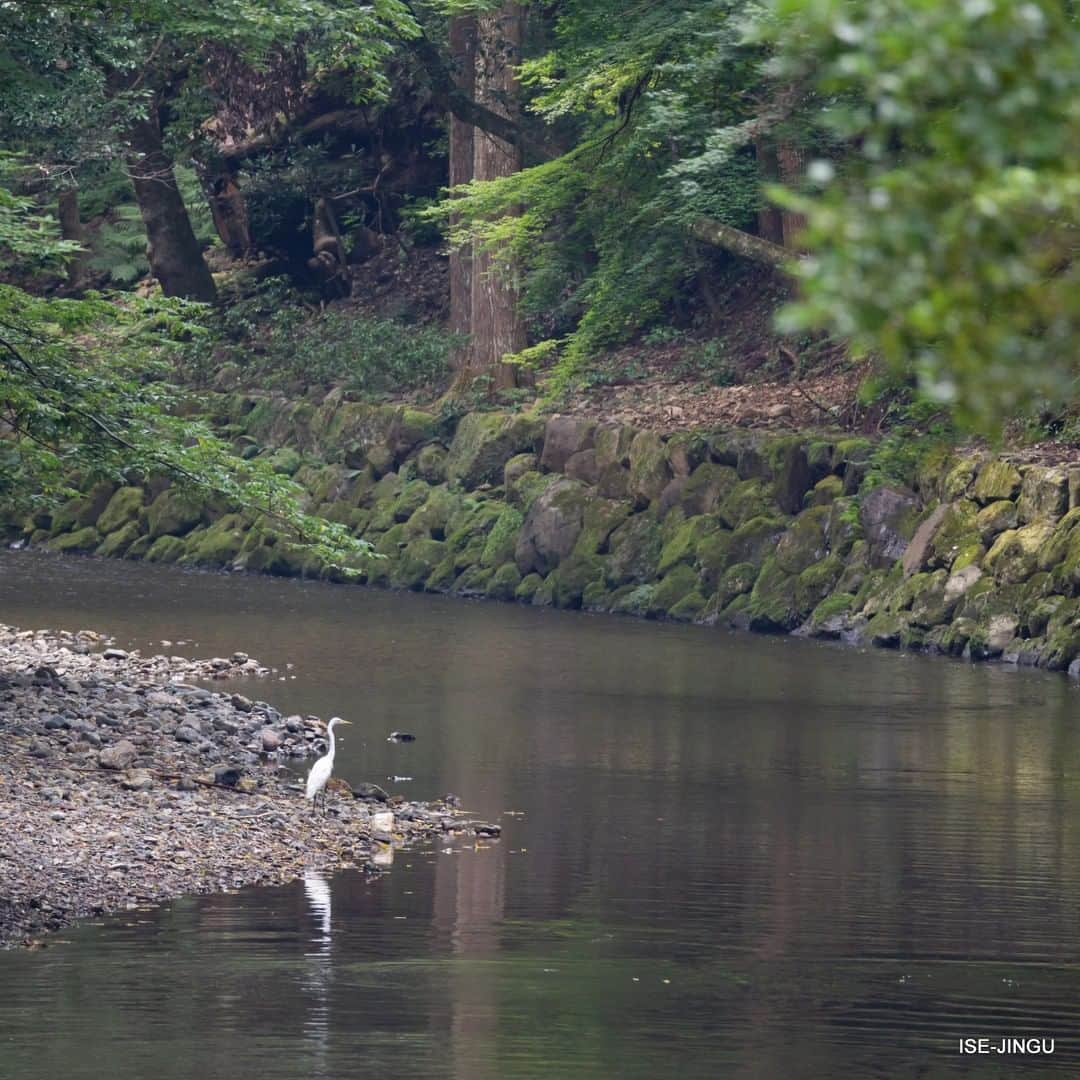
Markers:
116,785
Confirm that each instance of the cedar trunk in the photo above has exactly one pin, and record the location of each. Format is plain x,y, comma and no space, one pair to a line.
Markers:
463,53
71,228
175,257
497,327
228,209
792,164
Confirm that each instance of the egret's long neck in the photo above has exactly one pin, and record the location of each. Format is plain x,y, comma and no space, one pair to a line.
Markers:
330,732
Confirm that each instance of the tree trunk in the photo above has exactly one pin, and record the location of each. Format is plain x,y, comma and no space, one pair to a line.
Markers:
770,223
791,161
227,208
463,51
328,263
497,326
742,243
71,228
171,247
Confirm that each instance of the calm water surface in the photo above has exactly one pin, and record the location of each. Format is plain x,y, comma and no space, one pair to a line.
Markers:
722,856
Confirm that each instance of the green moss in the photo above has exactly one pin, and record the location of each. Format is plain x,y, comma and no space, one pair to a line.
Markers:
635,551
286,461
678,583
416,563
544,594
527,589
474,581
997,480
1014,556
504,582
173,513
996,518
650,471
442,578
600,518
527,488
706,487
803,542
748,500
219,545
485,442
689,608
636,600
117,543
139,548
431,464
123,507
81,541
392,541
772,604
834,605
736,581
713,557
827,490
166,549
573,576
683,545
502,538
753,541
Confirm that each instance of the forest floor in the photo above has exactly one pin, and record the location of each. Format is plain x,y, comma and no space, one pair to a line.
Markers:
123,784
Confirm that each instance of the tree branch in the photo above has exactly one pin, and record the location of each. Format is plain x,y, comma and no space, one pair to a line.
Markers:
744,244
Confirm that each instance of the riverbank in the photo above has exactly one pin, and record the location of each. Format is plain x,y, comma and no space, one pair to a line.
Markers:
123,784
958,551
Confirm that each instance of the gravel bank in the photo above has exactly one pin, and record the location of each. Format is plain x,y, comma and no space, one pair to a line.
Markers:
124,784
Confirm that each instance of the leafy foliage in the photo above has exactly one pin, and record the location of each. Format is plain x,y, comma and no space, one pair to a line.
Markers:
947,240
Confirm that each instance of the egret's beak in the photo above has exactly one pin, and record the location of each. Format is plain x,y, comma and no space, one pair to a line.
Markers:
344,721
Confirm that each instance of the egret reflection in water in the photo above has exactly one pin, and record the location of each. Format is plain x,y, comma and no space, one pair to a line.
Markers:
319,969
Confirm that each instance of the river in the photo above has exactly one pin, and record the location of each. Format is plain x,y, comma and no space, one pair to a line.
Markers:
722,855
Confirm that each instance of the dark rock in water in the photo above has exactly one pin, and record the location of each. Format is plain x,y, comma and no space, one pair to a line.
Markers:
485,828
452,800
339,786
1074,668
370,792
115,654
226,776
118,756
401,736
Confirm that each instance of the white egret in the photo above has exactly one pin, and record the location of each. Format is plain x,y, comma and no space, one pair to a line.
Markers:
321,770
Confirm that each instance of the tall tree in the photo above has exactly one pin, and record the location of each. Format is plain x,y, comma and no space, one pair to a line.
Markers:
497,327
172,249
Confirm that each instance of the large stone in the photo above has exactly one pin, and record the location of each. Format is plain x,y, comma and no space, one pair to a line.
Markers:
1044,494
551,527
804,541
997,479
995,518
888,517
915,554
80,542
119,756
173,513
565,436
706,486
791,476
431,464
1014,556
582,466
612,444
124,507
416,562
650,470
485,442
756,539
635,551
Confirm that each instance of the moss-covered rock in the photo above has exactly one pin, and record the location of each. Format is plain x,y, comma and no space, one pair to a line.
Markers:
633,600
1014,556
573,576
412,496
502,539
166,549
431,464
474,581
996,518
804,541
123,507
650,470
816,582
959,478
683,545
753,541
612,445
431,519
528,487
485,442
219,545
81,541
565,436
706,487
634,551
830,618
138,548
517,467
286,461
676,585
689,609
416,562
888,516
997,480
791,474
116,544
1044,494
826,491
773,607
392,541
747,500
544,594
527,588
552,526
173,513
956,530
504,583
442,577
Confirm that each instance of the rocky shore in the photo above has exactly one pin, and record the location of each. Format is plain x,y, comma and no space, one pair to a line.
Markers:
125,784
